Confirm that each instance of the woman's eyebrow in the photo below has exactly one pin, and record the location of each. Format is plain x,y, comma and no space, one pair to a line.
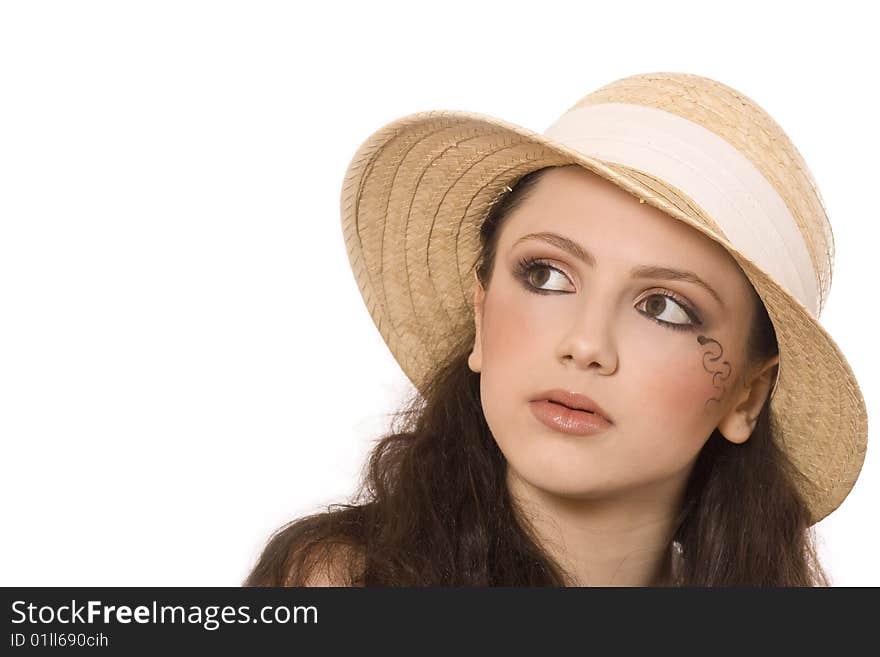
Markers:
640,271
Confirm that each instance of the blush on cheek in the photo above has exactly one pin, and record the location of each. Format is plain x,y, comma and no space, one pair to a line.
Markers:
677,385
695,389
512,325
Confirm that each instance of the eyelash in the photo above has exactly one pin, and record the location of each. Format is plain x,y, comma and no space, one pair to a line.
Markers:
525,266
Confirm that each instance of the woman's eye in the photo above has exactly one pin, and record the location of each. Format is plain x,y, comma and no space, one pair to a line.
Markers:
666,310
537,274
661,307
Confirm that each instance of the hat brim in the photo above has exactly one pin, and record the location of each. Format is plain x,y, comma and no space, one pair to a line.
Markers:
412,201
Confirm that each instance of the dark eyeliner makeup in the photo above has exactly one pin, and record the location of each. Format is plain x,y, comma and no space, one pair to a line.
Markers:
526,265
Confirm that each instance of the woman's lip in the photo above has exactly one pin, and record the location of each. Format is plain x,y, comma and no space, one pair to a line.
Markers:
567,420
553,401
573,400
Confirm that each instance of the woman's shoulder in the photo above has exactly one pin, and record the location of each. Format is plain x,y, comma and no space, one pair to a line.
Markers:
338,565
316,550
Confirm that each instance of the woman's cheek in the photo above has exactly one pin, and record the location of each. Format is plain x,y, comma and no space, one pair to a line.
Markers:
674,382
512,326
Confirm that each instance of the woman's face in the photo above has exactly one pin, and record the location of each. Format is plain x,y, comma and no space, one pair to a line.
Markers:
598,331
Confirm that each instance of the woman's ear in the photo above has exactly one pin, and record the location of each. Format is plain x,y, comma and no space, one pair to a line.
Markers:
475,360
739,422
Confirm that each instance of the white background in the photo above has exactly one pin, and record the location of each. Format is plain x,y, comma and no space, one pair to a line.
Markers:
185,360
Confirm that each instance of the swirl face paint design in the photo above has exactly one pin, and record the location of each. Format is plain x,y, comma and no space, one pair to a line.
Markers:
717,374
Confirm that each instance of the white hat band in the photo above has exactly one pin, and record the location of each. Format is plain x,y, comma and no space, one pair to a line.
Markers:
703,165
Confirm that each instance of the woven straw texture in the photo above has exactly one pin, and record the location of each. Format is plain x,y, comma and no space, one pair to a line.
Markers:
416,191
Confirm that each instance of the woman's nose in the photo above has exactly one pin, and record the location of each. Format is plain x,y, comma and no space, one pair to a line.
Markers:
589,340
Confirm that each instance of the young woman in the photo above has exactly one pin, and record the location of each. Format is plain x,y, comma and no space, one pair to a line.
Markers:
608,327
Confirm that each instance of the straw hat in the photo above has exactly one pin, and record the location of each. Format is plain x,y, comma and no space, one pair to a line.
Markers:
416,191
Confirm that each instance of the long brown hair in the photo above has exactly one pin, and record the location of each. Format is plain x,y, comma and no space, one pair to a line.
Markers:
433,508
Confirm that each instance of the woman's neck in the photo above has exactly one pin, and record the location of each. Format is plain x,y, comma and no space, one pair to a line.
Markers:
621,541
